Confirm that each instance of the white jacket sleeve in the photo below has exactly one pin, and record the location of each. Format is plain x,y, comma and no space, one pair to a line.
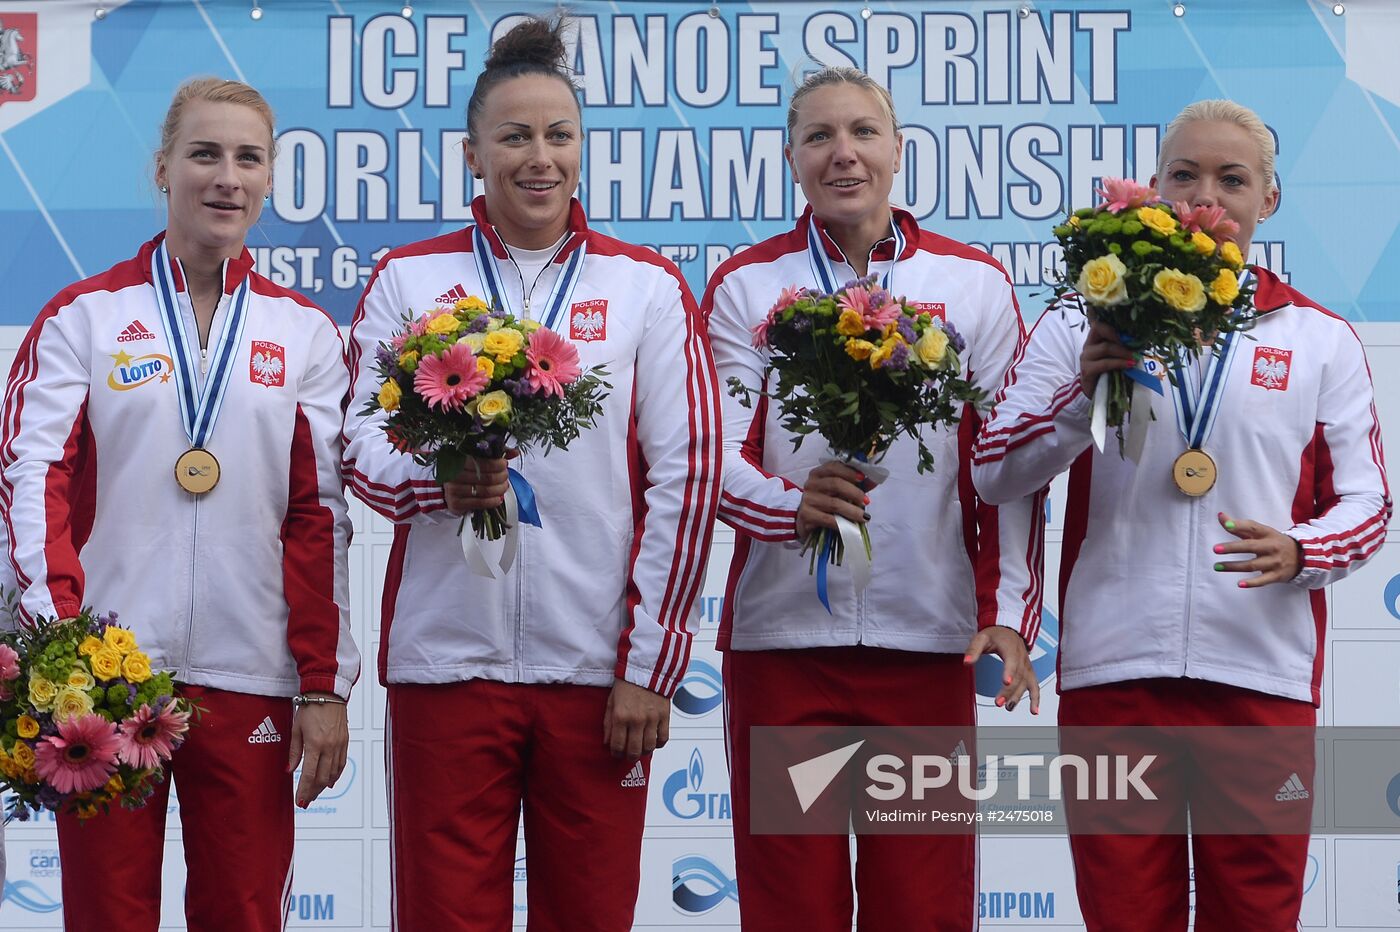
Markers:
677,431
44,463
753,502
384,478
316,529
1009,561
1039,422
1351,505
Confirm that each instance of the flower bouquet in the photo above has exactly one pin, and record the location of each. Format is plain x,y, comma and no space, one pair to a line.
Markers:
859,367
87,723
472,381
1166,277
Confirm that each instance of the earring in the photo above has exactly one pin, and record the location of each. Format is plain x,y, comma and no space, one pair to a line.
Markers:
267,196
164,189
477,176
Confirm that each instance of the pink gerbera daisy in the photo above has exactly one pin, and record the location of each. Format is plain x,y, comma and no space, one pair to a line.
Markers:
9,663
553,362
877,317
855,298
450,379
81,756
1120,194
149,737
1209,220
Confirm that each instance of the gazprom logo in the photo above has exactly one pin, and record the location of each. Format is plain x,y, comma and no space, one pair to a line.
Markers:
29,896
989,667
701,692
685,798
699,886
1392,795
1392,597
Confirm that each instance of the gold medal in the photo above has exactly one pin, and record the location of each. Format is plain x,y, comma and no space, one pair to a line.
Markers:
1194,473
197,471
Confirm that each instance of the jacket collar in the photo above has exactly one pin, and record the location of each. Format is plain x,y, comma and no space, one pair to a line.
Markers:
883,250
578,229
235,270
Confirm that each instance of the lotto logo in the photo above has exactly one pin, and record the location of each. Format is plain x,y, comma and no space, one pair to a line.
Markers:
265,733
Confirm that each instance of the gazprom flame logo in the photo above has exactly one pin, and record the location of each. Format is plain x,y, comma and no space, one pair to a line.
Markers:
699,886
701,692
130,372
1043,655
1392,795
1392,596
695,804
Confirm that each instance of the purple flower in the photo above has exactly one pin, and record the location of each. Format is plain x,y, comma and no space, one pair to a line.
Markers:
383,357
478,323
899,358
905,326
801,324
49,798
519,388
955,339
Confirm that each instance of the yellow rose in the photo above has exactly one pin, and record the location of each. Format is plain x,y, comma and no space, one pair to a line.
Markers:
850,323
106,664
859,349
1182,292
1203,243
474,341
41,693
493,323
932,347
485,364
119,639
1155,218
23,755
28,727
89,646
530,326
883,353
1101,281
492,406
136,667
80,678
70,703
503,344
390,395
408,360
1225,289
443,324
472,303
1231,254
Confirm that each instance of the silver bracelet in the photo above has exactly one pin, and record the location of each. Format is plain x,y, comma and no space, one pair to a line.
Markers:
303,700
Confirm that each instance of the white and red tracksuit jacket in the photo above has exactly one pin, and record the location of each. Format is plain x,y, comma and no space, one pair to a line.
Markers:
607,587
244,588
1297,447
945,562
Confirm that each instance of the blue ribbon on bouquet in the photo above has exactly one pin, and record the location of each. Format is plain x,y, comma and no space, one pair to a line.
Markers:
525,495
1148,372
849,532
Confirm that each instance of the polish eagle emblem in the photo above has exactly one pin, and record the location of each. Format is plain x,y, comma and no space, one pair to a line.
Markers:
588,320
1271,368
267,364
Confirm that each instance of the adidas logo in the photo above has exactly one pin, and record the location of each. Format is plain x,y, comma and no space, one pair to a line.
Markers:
135,331
636,776
265,733
452,295
958,752
1292,790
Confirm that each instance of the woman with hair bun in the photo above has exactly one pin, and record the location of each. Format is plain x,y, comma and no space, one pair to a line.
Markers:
953,576
172,454
1201,604
545,690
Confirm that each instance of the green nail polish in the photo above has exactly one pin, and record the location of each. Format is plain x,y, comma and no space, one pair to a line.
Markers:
1229,525
1220,567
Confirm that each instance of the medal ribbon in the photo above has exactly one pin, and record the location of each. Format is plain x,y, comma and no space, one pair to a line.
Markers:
1198,406
489,271
822,269
198,409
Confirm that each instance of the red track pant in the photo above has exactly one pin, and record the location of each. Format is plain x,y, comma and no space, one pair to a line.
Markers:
464,758
237,823
1243,882
905,883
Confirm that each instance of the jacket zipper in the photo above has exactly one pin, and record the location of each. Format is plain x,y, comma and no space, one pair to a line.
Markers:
520,553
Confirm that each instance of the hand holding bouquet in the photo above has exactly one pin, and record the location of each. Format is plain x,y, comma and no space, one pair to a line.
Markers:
861,368
87,722
471,381
1166,277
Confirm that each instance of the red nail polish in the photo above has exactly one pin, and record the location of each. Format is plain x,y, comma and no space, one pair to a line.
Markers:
1219,548
1243,585
867,499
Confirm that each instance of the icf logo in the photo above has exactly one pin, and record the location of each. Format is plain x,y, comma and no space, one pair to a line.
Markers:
1392,795
19,35
30,897
701,691
695,804
699,886
988,670
43,862
1392,597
